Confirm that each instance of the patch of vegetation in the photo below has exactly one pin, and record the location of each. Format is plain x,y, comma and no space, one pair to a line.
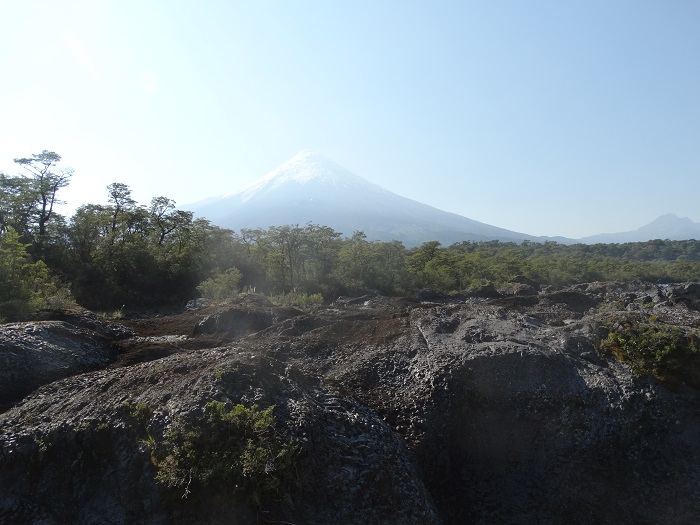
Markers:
226,374
669,353
26,287
116,314
141,412
155,374
295,299
231,446
92,424
223,286
140,415
42,446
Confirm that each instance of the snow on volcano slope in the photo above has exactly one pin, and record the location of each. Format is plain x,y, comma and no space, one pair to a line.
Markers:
305,168
311,188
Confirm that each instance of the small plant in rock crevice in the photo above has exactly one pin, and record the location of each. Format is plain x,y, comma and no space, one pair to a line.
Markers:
140,412
669,353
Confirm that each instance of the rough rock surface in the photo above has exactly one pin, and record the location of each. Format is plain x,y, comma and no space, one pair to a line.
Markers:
32,354
492,409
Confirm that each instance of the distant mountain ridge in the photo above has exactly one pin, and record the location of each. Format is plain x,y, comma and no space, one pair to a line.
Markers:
311,188
669,226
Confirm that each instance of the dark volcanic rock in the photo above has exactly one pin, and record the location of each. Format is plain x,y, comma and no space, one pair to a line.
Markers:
33,354
240,321
482,411
688,293
576,301
71,453
487,291
92,322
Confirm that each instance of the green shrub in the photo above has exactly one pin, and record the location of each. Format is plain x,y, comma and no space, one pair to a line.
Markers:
234,447
669,353
222,287
116,314
295,299
58,297
26,286
140,412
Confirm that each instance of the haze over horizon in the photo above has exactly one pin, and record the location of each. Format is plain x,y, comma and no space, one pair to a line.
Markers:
543,117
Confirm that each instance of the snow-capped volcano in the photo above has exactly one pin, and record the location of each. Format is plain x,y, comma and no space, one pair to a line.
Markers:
304,168
311,188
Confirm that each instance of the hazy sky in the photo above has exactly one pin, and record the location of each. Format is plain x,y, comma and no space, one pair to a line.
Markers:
546,117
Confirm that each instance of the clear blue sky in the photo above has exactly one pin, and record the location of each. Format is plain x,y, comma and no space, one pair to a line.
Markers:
546,117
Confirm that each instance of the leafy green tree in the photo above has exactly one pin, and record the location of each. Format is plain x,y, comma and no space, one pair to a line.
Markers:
390,274
439,273
356,262
418,260
16,292
25,286
45,183
16,205
88,227
119,196
123,253
166,218
210,249
284,256
319,258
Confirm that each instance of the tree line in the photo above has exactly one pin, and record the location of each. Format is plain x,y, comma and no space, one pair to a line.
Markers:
128,254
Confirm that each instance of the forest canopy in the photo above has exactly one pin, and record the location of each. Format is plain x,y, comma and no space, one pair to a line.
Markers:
127,254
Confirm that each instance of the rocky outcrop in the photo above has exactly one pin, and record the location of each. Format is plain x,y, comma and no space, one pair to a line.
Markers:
33,354
484,410
239,322
73,452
